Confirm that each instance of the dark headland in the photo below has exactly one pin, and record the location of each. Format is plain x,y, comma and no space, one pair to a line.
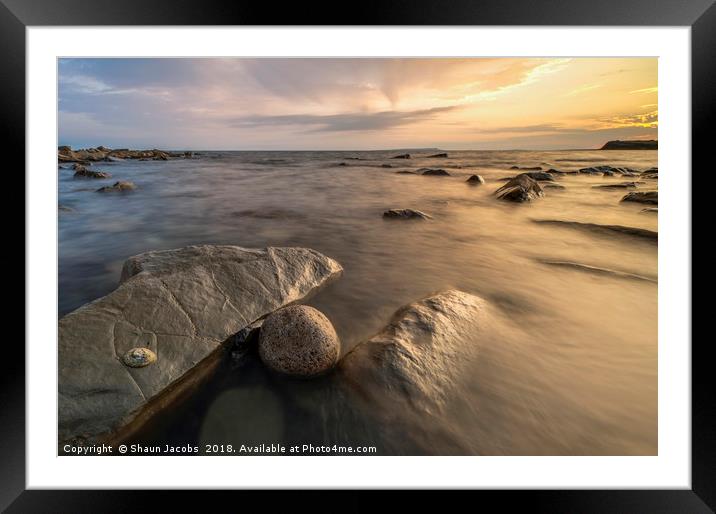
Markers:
651,144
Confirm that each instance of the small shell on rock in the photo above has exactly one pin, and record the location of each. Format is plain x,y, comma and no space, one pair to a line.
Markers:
139,357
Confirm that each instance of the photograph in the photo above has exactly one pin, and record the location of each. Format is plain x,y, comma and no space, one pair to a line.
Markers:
357,256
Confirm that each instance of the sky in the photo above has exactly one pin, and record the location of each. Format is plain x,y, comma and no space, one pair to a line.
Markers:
355,104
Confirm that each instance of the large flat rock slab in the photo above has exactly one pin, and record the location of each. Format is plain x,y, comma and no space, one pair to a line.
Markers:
183,305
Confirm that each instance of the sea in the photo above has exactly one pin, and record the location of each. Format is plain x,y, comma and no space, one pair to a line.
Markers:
577,377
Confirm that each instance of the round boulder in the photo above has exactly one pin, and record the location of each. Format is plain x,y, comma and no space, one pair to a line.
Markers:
298,340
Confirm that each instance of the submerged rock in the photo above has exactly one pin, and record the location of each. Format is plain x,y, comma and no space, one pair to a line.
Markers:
405,214
386,165
475,180
539,176
650,209
415,364
402,156
650,173
640,233
621,185
520,189
436,172
597,270
527,168
651,197
184,305
299,340
438,156
609,171
406,172
81,171
118,187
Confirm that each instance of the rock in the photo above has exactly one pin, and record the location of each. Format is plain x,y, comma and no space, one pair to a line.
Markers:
118,187
298,340
188,155
533,168
416,364
139,357
608,171
81,171
65,208
539,176
406,214
64,149
475,180
651,144
438,156
386,166
435,172
650,173
402,156
599,271
406,172
639,233
520,189
650,209
642,197
184,305
621,185
342,164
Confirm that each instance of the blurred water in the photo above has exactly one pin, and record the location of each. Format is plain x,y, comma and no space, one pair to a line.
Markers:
582,381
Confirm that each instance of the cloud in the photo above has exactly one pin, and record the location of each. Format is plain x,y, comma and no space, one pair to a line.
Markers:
645,90
356,121
536,128
646,120
583,89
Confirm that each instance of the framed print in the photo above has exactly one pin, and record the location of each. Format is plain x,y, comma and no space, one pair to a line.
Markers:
420,248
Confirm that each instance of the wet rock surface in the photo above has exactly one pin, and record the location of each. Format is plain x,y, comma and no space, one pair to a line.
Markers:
183,305
475,180
520,189
118,187
621,185
434,172
406,214
598,270
650,197
82,171
417,362
640,233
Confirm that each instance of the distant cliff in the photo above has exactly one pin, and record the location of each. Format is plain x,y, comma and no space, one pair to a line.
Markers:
651,144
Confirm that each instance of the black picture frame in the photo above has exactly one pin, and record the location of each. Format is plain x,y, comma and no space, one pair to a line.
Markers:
16,15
